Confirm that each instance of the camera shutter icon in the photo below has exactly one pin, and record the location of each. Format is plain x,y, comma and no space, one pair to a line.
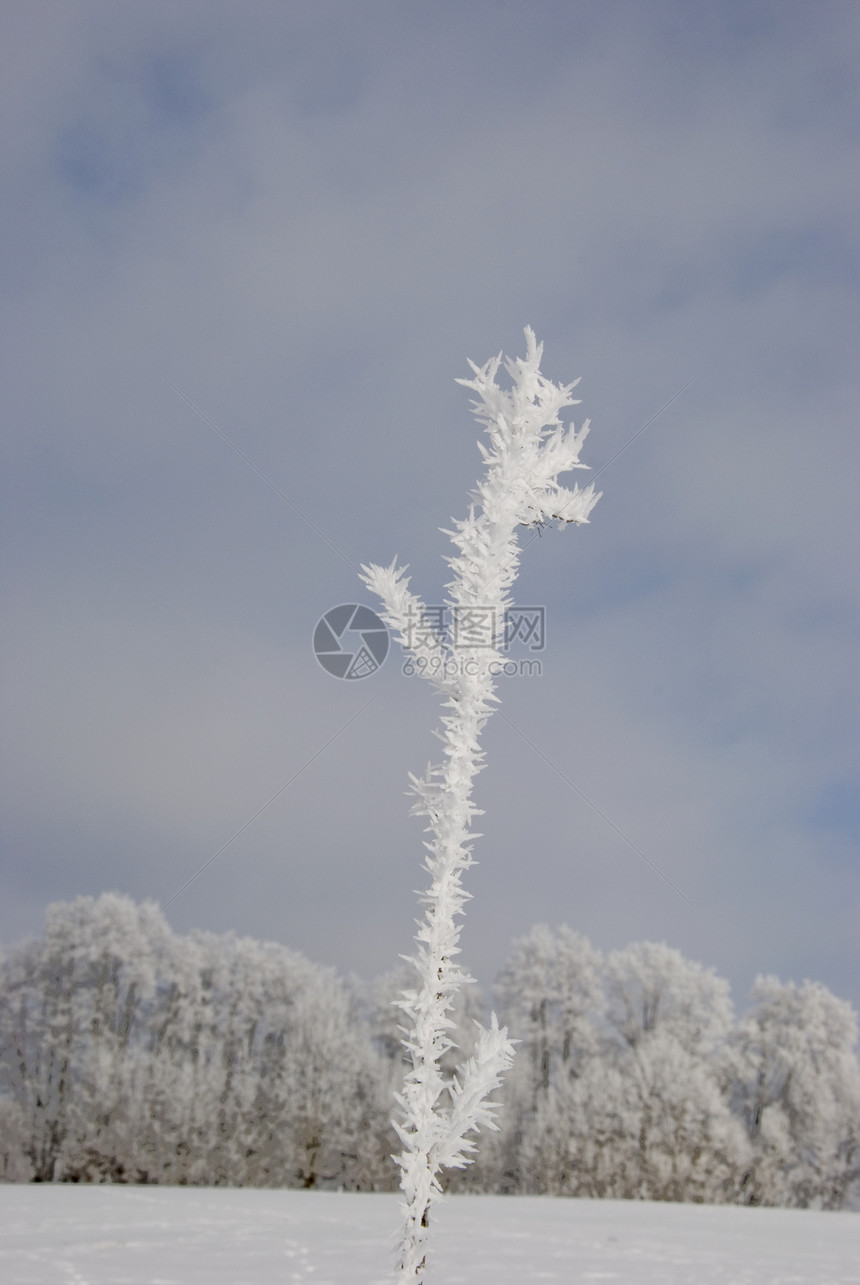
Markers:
350,641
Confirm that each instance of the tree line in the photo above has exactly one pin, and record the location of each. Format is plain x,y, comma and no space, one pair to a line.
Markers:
130,1053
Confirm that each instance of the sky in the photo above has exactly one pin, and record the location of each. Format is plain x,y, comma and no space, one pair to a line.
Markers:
247,251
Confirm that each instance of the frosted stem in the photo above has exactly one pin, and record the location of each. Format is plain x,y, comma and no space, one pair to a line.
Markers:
528,448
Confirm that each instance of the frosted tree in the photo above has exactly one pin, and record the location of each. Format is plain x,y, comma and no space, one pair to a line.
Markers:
652,1124
72,1007
797,1090
651,986
131,1054
528,448
549,991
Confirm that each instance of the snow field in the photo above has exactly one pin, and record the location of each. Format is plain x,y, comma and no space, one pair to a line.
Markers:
103,1235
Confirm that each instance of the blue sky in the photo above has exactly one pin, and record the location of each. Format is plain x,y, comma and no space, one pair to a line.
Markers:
302,220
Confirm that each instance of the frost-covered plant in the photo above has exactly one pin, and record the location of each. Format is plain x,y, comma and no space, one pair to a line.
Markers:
797,1090
528,448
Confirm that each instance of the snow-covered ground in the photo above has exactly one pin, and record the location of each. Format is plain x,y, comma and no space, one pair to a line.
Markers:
184,1236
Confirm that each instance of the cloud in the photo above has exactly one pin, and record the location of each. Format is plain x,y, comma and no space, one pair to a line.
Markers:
307,224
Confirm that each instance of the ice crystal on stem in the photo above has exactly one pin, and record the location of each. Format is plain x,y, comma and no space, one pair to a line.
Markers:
528,448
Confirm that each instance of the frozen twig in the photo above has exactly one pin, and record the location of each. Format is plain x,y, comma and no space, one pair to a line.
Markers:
528,448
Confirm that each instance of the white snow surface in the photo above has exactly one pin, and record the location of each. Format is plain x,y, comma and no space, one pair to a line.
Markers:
67,1235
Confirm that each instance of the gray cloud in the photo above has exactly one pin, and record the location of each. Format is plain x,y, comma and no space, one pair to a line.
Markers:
307,223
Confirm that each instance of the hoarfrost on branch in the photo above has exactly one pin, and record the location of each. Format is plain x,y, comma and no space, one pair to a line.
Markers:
528,448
